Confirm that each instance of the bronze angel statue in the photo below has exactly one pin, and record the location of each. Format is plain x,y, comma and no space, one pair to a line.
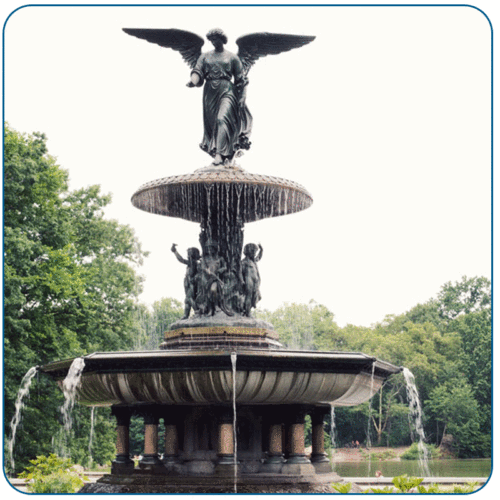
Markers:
226,118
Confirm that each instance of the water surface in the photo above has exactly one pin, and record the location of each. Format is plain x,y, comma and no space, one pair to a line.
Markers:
438,468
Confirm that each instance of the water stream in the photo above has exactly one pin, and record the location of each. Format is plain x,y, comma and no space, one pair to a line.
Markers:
69,386
19,405
60,442
415,417
235,441
91,435
332,428
368,430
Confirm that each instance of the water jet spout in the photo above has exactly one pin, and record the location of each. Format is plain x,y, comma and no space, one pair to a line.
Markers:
416,419
19,405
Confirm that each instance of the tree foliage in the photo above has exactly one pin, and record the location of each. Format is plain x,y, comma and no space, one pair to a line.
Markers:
152,323
453,405
304,326
70,284
465,296
52,475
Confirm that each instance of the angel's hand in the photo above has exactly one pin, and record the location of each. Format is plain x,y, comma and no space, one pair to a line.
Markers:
190,84
195,80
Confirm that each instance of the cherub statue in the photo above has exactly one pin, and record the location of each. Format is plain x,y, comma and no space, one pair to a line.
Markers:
251,276
212,269
190,279
226,118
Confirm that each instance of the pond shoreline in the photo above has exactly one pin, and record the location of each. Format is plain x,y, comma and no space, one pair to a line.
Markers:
360,454
356,462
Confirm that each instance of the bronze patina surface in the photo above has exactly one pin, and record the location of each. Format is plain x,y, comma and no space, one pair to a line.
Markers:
237,193
227,120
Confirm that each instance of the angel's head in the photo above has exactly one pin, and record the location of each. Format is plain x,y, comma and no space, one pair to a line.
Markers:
217,34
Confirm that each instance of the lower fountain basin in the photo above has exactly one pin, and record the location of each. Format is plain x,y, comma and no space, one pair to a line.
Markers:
205,377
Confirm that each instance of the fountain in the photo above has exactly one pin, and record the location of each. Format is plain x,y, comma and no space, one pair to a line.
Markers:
231,398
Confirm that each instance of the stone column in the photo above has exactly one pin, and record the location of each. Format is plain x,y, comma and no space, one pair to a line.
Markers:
318,456
297,462
225,443
150,459
122,462
297,445
171,441
274,460
171,454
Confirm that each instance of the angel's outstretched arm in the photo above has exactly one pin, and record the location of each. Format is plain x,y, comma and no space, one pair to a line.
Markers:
197,74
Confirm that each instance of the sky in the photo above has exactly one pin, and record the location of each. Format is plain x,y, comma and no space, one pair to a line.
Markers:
385,119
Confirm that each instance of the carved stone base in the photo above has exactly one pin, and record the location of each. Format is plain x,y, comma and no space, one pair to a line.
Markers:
225,464
199,467
222,320
221,330
151,463
271,468
298,469
252,483
122,465
321,463
322,467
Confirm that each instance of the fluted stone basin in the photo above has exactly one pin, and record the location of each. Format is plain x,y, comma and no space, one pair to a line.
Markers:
228,192
204,377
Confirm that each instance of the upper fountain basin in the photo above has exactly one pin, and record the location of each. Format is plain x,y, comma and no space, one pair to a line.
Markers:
247,197
205,377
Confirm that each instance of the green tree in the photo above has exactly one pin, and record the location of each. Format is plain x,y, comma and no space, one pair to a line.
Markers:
305,326
152,323
465,296
428,312
475,357
386,408
70,284
453,404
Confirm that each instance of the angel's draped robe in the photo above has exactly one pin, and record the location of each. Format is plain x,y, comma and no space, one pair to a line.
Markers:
227,123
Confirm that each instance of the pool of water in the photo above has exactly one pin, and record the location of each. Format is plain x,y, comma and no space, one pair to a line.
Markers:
438,468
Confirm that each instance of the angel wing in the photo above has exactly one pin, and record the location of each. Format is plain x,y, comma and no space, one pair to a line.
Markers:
187,43
256,45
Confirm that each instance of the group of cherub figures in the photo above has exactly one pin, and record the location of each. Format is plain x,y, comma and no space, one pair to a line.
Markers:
211,285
